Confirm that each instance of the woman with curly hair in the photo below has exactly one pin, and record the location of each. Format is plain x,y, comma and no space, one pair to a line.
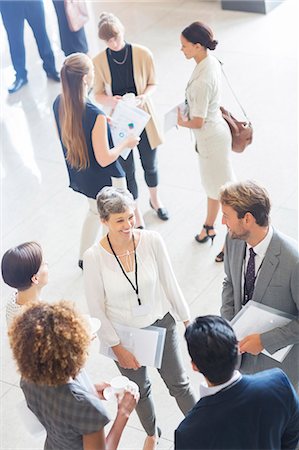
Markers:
23,268
50,344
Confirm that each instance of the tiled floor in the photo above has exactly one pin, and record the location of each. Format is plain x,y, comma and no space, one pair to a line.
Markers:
260,55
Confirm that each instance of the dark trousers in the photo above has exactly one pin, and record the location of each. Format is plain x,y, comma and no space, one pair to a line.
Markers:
71,41
148,158
14,14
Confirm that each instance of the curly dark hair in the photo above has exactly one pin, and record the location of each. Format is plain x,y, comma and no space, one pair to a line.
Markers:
49,343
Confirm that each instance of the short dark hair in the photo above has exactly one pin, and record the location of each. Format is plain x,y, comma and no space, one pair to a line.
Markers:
247,196
213,347
20,263
199,33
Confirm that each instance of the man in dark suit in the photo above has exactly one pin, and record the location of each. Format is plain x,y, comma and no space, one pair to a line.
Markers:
262,265
14,14
235,412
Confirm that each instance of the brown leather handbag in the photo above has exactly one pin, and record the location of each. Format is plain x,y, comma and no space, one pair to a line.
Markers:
76,14
241,131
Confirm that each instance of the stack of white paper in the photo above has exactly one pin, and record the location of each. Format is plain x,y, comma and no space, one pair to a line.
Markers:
146,344
258,318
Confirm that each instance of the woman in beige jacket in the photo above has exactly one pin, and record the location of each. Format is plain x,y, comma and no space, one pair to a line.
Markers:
128,68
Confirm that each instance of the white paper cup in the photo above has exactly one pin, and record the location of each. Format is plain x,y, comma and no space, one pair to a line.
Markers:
119,384
133,387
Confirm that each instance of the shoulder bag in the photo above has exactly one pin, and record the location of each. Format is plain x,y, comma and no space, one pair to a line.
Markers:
241,131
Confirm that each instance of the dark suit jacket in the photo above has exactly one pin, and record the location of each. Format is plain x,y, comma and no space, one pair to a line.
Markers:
277,286
259,412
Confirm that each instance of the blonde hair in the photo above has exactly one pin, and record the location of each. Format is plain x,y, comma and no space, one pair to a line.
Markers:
109,26
49,343
71,109
247,196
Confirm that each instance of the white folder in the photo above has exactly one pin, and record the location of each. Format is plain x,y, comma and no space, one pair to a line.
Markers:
146,344
255,317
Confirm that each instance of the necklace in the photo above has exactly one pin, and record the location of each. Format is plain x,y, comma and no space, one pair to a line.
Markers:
125,57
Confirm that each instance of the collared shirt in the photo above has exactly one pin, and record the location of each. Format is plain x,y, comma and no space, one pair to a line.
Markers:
260,250
205,390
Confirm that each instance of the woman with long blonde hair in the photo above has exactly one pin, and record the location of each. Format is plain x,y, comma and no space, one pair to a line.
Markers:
84,132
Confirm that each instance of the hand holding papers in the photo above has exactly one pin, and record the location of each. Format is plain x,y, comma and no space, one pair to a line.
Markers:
146,344
258,318
171,118
127,119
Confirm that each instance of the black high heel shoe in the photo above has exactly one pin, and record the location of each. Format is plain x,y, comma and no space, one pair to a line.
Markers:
208,236
220,257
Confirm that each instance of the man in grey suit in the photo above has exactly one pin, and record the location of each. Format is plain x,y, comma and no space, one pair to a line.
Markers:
262,265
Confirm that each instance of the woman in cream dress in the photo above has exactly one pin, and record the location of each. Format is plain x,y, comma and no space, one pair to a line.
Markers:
203,116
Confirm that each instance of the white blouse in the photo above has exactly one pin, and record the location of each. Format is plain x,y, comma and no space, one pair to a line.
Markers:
13,309
203,90
111,298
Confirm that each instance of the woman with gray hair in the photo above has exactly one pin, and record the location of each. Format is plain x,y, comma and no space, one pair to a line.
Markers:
129,280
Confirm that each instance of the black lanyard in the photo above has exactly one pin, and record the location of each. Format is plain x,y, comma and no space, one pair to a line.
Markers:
136,290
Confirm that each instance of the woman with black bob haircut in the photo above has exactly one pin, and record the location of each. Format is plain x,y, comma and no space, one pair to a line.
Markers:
24,269
203,116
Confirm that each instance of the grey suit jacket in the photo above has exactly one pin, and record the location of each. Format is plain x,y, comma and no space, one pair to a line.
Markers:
277,286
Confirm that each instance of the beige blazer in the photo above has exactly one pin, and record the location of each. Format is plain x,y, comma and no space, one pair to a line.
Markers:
144,75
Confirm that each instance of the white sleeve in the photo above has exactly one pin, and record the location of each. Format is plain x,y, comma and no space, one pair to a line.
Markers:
168,280
95,295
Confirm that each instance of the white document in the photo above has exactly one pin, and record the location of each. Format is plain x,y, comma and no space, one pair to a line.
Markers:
127,119
258,318
171,117
146,344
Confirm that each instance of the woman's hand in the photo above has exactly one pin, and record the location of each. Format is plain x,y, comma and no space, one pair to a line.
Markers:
127,403
100,389
131,141
125,358
114,100
141,100
181,119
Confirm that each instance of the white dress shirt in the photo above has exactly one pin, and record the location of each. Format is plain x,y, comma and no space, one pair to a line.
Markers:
205,390
260,250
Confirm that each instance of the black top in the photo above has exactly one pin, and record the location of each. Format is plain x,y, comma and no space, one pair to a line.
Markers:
91,180
122,75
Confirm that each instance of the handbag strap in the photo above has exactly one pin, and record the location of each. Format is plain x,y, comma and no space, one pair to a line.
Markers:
232,91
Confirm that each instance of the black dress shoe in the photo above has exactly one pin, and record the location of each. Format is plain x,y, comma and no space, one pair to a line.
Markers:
80,263
162,213
53,76
17,84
